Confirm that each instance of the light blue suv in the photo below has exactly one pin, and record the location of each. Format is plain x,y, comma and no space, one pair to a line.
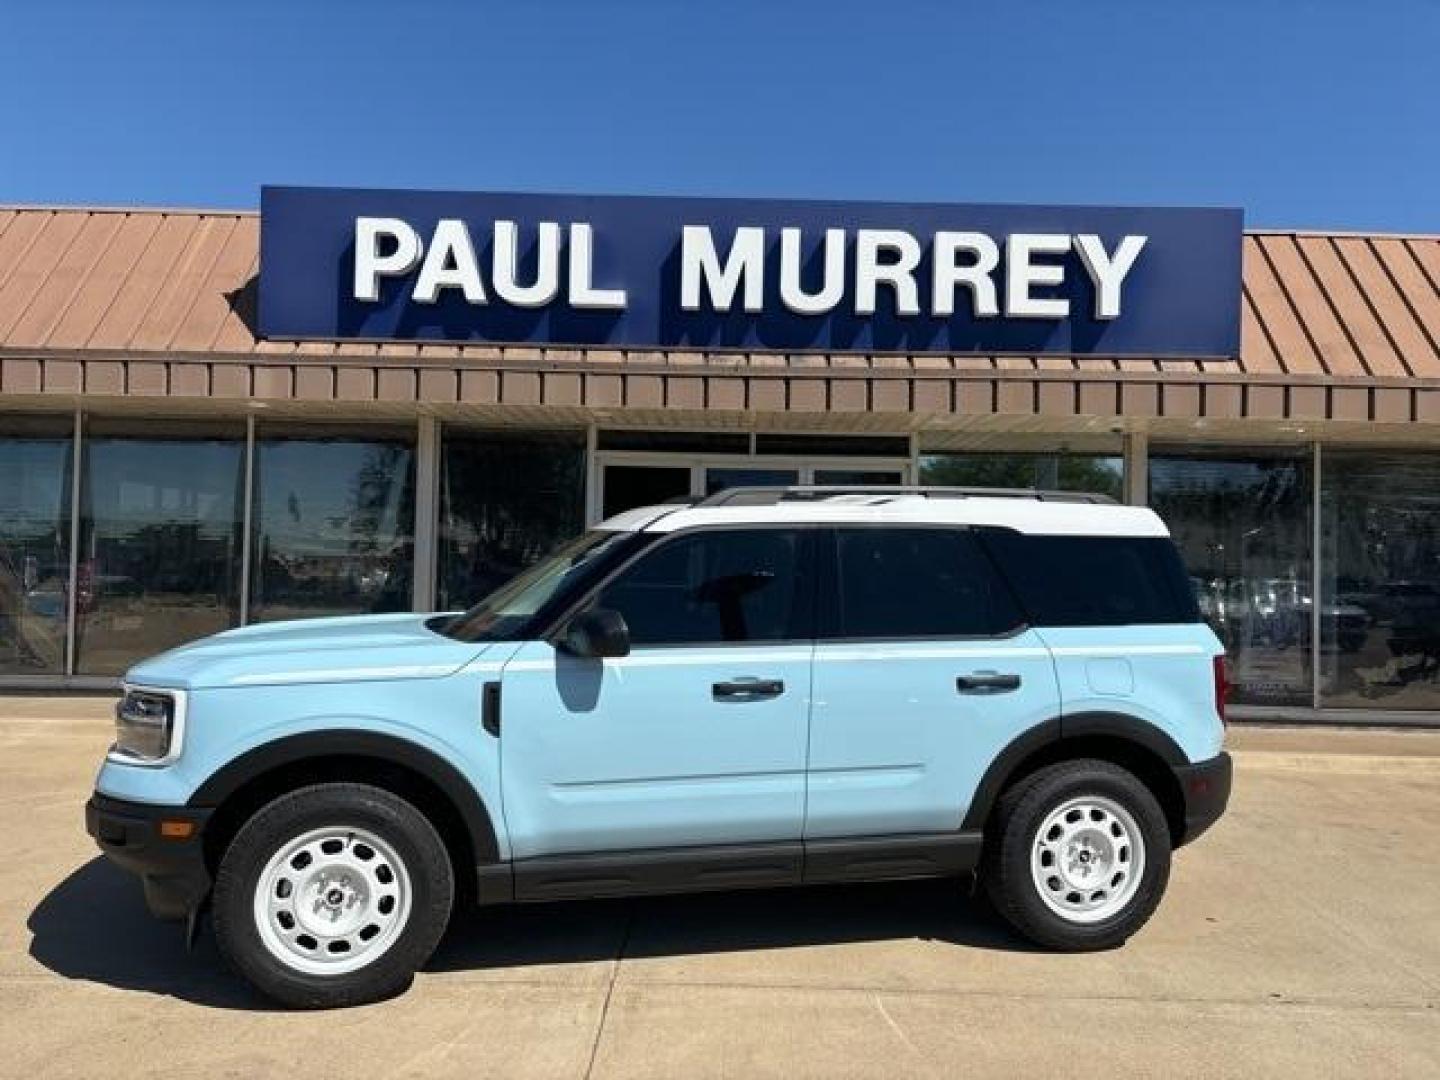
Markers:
770,687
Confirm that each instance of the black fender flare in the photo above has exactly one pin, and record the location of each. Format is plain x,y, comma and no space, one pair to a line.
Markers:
1115,725
1124,726
354,743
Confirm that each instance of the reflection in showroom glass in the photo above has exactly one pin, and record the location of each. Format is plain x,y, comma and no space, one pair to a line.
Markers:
35,468
160,528
334,525
1242,523
1380,580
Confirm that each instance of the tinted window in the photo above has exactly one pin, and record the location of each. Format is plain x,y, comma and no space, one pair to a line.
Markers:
675,442
718,479
629,486
833,445
1094,580
897,583
715,586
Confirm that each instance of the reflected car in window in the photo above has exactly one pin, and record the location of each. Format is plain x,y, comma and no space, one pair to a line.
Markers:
1276,612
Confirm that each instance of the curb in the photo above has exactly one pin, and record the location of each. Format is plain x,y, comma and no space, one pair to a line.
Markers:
1325,762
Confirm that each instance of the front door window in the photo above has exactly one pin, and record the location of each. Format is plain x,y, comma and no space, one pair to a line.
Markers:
715,587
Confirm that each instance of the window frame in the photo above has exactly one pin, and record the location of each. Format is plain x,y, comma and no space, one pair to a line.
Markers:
827,613
807,582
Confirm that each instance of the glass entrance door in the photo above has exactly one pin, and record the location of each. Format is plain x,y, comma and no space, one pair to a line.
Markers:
718,479
857,477
628,480
624,487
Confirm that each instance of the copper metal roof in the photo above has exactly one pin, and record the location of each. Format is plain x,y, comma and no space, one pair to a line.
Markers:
123,302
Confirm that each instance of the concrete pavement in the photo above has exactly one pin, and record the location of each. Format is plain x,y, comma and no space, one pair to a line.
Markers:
1300,937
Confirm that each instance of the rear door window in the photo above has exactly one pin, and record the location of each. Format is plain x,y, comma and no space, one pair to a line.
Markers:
915,583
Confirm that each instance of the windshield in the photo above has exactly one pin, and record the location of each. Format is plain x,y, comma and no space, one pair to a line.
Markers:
508,611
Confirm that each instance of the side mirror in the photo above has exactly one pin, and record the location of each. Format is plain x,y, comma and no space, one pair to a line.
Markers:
598,632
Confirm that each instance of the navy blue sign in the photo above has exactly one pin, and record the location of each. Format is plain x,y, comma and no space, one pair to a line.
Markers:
641,272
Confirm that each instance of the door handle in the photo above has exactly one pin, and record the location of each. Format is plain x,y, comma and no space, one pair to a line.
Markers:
747,689
987,682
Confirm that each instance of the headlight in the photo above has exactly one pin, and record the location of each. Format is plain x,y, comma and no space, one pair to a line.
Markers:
148,726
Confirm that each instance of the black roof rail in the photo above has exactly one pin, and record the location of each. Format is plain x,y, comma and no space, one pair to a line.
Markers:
769,496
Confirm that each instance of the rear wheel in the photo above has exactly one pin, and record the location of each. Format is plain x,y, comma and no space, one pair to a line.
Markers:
1079,856
333,895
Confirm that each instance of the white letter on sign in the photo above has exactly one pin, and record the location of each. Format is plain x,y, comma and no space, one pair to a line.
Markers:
449,264
370,265
1108,271
505,266
583,293
899,274
974,275
744,264
832,288
1021,275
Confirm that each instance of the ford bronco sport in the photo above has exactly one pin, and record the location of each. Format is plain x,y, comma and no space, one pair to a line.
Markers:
769,687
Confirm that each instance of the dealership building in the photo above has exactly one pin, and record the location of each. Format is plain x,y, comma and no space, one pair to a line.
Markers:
359,401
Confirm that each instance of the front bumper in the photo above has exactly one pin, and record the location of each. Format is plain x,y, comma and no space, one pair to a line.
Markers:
1205,789
172,870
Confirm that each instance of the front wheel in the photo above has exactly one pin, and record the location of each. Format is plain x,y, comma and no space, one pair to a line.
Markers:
1079,856
333,895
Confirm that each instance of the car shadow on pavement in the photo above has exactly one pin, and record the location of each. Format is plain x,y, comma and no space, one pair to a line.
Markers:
659,926
94,927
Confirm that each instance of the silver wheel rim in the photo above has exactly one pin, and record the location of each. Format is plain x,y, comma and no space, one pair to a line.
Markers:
332,900
1087,859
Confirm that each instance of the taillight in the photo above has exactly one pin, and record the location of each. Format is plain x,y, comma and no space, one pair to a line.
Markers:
1222,686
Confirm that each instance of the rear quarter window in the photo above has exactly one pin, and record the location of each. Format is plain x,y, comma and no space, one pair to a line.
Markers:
1094,580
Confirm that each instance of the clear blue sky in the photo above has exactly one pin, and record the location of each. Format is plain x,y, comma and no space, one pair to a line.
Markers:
1306,114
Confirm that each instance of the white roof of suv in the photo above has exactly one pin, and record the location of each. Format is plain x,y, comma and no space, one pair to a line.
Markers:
1044,513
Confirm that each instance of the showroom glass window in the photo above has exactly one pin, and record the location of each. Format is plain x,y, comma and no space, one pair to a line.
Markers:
1380,580
35,474
506,499
1242,522
1103,474
160,538
334,517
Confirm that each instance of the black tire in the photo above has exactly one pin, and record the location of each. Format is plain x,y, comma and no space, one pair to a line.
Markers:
1019,815
384,815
